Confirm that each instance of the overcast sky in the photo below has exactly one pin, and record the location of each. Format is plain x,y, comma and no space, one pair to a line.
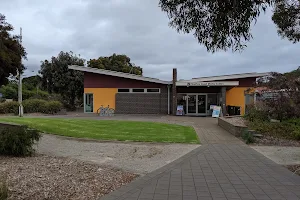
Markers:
139,29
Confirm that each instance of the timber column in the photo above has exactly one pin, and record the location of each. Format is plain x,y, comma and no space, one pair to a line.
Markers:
223,95
174,92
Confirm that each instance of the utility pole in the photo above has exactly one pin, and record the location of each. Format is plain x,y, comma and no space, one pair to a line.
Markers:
20,79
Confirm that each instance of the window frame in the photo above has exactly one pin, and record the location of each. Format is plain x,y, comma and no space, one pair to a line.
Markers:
129,90
145,90
153,92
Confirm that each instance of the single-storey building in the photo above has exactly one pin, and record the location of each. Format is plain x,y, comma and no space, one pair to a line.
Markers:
134,94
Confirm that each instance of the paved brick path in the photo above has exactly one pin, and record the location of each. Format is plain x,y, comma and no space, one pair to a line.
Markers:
222,168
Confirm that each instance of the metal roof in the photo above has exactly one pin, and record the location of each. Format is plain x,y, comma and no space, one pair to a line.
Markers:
118,74
155,80
231,76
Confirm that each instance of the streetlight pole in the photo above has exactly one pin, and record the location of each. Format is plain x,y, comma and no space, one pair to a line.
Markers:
20,79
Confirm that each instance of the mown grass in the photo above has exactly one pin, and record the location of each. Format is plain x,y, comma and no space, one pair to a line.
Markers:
111,130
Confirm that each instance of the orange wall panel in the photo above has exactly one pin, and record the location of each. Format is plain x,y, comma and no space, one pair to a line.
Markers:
236,97
103,96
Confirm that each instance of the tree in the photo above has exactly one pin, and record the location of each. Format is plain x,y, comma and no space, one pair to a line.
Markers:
120,63
11,52
226,24
284,94
32,82
57,78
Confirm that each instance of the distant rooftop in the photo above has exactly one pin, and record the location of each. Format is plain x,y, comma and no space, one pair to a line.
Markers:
229,76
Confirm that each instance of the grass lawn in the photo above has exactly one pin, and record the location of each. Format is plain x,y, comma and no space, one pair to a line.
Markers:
111,130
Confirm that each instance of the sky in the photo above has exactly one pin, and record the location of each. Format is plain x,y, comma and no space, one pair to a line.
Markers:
139,29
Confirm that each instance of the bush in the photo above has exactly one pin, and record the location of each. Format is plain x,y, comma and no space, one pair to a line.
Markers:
9,107
18,141
248,137
42,106
34,105
31,106
52,107
26,94
284,129
296,133
254,114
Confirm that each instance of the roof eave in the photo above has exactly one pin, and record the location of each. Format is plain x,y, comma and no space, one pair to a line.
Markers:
118,74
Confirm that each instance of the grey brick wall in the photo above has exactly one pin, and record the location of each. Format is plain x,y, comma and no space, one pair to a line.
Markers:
142,103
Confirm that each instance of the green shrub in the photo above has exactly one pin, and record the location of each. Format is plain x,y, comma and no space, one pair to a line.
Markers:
254,114
248,137
9,107
18,141
278,129
26,94
41,106
31,106
52,107
296,133
34,105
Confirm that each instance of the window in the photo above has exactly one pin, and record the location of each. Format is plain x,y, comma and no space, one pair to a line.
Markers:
138,90
153,90
123,90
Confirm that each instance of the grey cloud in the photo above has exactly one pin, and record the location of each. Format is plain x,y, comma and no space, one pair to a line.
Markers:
139,29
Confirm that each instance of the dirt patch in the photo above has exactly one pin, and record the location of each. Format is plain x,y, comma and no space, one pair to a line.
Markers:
138,158
280,155
273,141
294,168
48,177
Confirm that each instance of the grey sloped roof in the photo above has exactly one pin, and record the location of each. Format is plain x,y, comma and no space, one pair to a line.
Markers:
118,74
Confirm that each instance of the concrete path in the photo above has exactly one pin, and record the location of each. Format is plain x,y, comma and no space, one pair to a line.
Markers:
222,168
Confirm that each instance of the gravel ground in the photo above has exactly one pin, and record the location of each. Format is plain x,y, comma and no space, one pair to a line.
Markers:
46,177
273,141
138,158
280,155
235,120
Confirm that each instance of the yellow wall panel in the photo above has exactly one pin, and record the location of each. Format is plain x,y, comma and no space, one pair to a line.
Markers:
103,96
236,97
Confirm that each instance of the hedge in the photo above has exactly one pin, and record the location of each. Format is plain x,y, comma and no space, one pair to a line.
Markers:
9,107
32,106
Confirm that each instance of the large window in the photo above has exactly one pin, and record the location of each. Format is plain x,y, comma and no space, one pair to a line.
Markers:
123,90
139,90
153,90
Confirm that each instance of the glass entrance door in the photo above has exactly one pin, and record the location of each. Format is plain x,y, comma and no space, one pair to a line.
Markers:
192,104
88,103
201,104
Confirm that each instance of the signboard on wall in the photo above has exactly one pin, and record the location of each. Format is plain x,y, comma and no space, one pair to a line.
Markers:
211,83
206,84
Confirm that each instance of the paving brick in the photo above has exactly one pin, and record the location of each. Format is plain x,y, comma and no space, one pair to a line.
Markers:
222,168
